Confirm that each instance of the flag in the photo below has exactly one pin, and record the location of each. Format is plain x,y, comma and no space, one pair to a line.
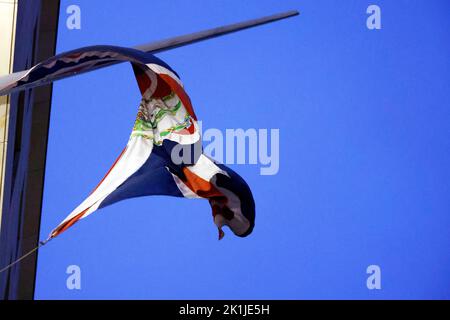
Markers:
163,155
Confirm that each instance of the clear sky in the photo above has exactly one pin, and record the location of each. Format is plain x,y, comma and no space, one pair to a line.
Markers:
364,176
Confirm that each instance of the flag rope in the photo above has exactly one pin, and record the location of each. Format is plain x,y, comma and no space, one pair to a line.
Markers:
41,244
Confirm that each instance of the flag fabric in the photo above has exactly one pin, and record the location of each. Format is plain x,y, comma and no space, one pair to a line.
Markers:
163,155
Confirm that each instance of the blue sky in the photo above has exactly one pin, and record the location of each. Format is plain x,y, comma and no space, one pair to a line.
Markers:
364,149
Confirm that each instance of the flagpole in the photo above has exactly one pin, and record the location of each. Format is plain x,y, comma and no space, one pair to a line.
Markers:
156,47
184,40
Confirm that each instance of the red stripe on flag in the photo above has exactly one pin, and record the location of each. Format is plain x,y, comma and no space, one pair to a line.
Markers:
63,227
180,92
66,225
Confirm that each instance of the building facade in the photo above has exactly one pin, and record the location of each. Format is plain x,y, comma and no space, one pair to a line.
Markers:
28,35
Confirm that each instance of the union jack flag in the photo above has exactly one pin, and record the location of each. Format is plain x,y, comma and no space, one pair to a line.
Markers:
161,156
